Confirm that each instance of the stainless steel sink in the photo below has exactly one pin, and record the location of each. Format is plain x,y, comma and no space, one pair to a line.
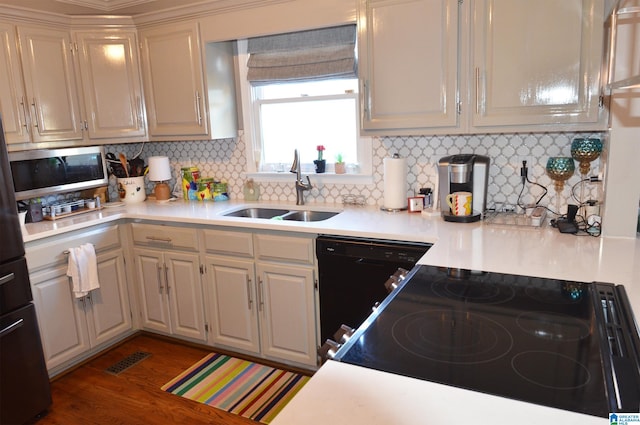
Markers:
257,213
309,215
282,214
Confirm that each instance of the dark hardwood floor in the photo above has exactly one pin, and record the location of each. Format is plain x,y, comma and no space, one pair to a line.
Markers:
89,395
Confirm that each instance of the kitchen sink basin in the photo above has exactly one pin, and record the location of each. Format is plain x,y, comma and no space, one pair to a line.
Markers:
309,215
281,214
257,213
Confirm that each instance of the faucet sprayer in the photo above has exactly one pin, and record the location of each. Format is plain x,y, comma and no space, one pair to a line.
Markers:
300,185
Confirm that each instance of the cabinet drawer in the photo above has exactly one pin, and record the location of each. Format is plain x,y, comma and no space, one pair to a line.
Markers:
284,248
225,242
54,250
164,236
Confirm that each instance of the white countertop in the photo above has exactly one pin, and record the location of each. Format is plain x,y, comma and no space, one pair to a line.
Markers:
341,393
542,252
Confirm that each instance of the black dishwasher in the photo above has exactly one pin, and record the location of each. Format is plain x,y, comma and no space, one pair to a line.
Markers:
352,276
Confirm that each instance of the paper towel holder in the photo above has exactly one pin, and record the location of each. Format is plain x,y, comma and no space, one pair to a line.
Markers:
398,209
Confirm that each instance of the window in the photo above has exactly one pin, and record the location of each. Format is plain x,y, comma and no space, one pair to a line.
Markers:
301,112
304,115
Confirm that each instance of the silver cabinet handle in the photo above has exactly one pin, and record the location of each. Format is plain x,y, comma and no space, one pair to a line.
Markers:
166,278
158,239
249,298
24,112
12,327
66,251
139,104
160,287
260,295
198,108
477,90
367,100
7,278
35,114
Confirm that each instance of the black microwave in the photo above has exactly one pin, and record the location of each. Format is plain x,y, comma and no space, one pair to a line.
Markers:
50,171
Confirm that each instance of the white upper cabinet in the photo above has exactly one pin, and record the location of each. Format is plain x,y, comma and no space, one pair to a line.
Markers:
184,98
50,84
174,81
12,97
449,66
408,64
536,62
110,73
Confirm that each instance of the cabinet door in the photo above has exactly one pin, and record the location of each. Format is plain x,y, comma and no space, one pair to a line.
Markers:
111,84
50,84
174,81
287,319
110,314
12,97
536,62
408,63
233,307
61,317
150,273
184,290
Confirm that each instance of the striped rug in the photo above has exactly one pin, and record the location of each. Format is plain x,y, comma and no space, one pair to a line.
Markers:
237,386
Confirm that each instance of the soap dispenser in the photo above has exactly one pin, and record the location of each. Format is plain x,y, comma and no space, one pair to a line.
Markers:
251,190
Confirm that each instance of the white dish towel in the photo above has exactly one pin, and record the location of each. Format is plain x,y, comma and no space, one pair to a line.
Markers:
83,269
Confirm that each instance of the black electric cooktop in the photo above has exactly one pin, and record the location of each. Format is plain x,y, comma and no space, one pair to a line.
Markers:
525,338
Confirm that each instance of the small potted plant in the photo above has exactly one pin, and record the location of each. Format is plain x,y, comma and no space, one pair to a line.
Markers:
320,163
340,167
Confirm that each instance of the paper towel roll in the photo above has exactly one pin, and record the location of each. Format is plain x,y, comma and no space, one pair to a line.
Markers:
395,183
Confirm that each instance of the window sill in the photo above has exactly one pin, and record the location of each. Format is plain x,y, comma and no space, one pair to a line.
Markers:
324,178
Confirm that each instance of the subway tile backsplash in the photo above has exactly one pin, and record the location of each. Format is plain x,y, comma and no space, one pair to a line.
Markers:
225,160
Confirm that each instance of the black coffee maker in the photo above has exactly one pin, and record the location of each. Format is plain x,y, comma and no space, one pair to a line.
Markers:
464,173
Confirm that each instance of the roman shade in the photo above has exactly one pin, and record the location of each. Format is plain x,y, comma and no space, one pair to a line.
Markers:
305,55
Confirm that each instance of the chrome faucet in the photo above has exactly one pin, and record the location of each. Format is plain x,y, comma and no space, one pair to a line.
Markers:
301,186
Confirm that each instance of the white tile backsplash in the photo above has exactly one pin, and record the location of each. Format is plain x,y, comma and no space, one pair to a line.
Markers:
225,160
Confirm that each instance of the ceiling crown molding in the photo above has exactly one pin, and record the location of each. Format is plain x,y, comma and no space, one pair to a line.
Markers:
105,5
142,11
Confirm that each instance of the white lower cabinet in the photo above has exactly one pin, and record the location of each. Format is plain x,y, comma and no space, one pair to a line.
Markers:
168,278
61,317
71,328
234,312
171,294
286,303
108,306
262,302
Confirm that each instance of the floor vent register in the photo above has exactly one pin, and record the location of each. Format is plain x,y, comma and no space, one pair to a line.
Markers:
129,361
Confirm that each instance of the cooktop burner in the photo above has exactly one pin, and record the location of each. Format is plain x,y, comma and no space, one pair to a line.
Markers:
450,336
484,293
553,326
524,338
567,373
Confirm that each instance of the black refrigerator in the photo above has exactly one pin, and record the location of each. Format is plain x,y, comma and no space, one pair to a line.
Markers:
25,393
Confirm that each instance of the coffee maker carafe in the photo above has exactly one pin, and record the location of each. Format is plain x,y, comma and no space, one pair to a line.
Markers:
464,173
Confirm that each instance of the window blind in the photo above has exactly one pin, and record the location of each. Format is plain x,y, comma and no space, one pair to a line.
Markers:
305,55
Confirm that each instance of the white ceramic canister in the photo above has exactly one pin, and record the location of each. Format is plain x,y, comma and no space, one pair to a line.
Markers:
132,189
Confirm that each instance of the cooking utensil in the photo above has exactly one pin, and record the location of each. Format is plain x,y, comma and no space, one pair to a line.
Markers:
137,167
123,161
